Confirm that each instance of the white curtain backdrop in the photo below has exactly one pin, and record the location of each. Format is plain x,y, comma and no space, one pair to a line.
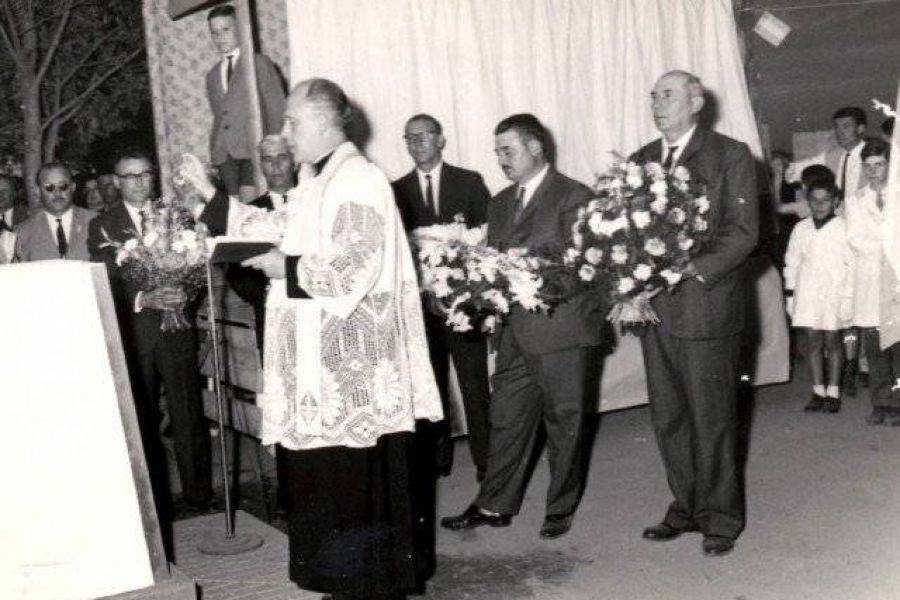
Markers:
584,67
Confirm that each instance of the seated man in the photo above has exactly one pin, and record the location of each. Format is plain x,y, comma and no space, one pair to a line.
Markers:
11,214
58,229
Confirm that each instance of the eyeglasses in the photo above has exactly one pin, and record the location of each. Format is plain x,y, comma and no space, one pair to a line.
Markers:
51,188
413,138
135,177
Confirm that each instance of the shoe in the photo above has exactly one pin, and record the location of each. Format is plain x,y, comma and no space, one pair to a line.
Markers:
714,545
893,418
832,405
848,378
556,526
664,532
472,518
863,380
815,404
877,416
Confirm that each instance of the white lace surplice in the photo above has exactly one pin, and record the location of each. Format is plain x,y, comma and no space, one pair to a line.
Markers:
346,365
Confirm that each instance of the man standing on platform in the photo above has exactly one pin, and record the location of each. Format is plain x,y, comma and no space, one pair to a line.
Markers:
231,141
344,350
58,229
547,365
155,356
437,192
691,356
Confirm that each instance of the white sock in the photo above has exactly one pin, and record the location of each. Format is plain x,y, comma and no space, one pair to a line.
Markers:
819,390
833,391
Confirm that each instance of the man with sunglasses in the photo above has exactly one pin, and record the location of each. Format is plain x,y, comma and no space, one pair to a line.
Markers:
58,230
155,356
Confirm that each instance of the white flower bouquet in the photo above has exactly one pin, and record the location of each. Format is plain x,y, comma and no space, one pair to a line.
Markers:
637,235
476,285
171,253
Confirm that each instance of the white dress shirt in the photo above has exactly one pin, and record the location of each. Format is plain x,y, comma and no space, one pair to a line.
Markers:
533,184
66,223
223,66
435,185
135,213
678,144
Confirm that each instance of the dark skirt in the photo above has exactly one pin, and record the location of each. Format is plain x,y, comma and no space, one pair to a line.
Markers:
360,520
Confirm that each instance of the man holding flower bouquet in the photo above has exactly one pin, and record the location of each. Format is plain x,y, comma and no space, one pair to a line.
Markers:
546,363
691,356
155,354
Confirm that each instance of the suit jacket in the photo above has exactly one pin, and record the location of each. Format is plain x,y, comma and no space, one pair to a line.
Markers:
231,134
715,306
462,192
136,328
250,284
36,241
546,225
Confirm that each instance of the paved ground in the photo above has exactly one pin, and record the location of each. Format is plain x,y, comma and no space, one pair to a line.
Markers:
823,520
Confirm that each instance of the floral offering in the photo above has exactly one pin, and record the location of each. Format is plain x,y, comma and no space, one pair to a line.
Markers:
637,235
474,285
171,253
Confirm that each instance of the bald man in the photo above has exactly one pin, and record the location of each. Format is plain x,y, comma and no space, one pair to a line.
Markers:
691,356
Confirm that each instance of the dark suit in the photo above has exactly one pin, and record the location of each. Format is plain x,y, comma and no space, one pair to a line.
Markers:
545,363
691,356
461,192
251,284
154,356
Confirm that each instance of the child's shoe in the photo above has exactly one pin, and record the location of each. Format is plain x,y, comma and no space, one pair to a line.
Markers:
877,417
815,404
832,405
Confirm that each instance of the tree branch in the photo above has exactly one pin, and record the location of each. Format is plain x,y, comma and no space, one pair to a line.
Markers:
10,38
90,89
87,55
54,42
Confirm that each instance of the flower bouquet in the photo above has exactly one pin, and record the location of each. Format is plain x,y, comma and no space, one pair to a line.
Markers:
171,253
474,284
637,235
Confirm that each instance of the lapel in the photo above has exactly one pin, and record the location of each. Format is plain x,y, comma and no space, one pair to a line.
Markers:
541,196
694,145
46,237
445,209
79,226
653,152
123,226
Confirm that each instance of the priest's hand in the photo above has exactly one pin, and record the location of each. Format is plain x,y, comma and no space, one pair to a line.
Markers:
271,263
191,180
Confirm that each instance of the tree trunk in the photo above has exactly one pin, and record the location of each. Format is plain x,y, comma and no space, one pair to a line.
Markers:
51,140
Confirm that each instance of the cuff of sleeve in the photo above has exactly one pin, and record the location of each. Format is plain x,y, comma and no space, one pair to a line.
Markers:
788,293
137,302
290,272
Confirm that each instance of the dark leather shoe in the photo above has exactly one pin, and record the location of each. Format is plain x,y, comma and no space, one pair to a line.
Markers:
877,417
714,545
832,405
556,526
664,532
815,404
472,517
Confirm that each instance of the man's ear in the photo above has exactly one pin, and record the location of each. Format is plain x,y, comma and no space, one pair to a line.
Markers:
697,103
534,147
441,141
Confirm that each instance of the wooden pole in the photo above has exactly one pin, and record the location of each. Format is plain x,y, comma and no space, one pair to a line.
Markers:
247,69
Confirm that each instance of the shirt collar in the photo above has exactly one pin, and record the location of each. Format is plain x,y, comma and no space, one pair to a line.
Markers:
319,165
534,183
680,144
236,53
66,218
435,172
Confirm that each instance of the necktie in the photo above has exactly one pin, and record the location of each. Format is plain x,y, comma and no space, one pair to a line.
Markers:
4,226
229,69
520,202
879,199
429,195
283,199
670,157
844,174
61,242
143,214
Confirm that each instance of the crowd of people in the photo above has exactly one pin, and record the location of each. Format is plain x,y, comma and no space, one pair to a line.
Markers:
359,425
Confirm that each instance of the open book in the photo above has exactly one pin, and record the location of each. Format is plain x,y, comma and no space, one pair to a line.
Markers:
226,249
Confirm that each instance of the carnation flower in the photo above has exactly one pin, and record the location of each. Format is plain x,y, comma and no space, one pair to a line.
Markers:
587,272
489,324
685,243
659,205
659,187
681,173
610,226
702,204
131,244
577,239
496,298
626,284
179,246
643,272
677,216
595,223
634,181
619,254
655,247
151,238
593,255
655,171
641,218
459,321
671,277
593,205
700,223
571,255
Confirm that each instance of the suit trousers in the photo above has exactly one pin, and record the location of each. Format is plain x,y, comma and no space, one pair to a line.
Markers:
884,368
531,389
692,387
469,353
172,361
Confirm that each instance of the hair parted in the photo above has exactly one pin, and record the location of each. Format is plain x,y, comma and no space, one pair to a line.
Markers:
438,128
225,10
51,166
854,112
528,127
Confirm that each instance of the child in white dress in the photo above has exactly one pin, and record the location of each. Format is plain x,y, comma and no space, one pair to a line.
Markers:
818,276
